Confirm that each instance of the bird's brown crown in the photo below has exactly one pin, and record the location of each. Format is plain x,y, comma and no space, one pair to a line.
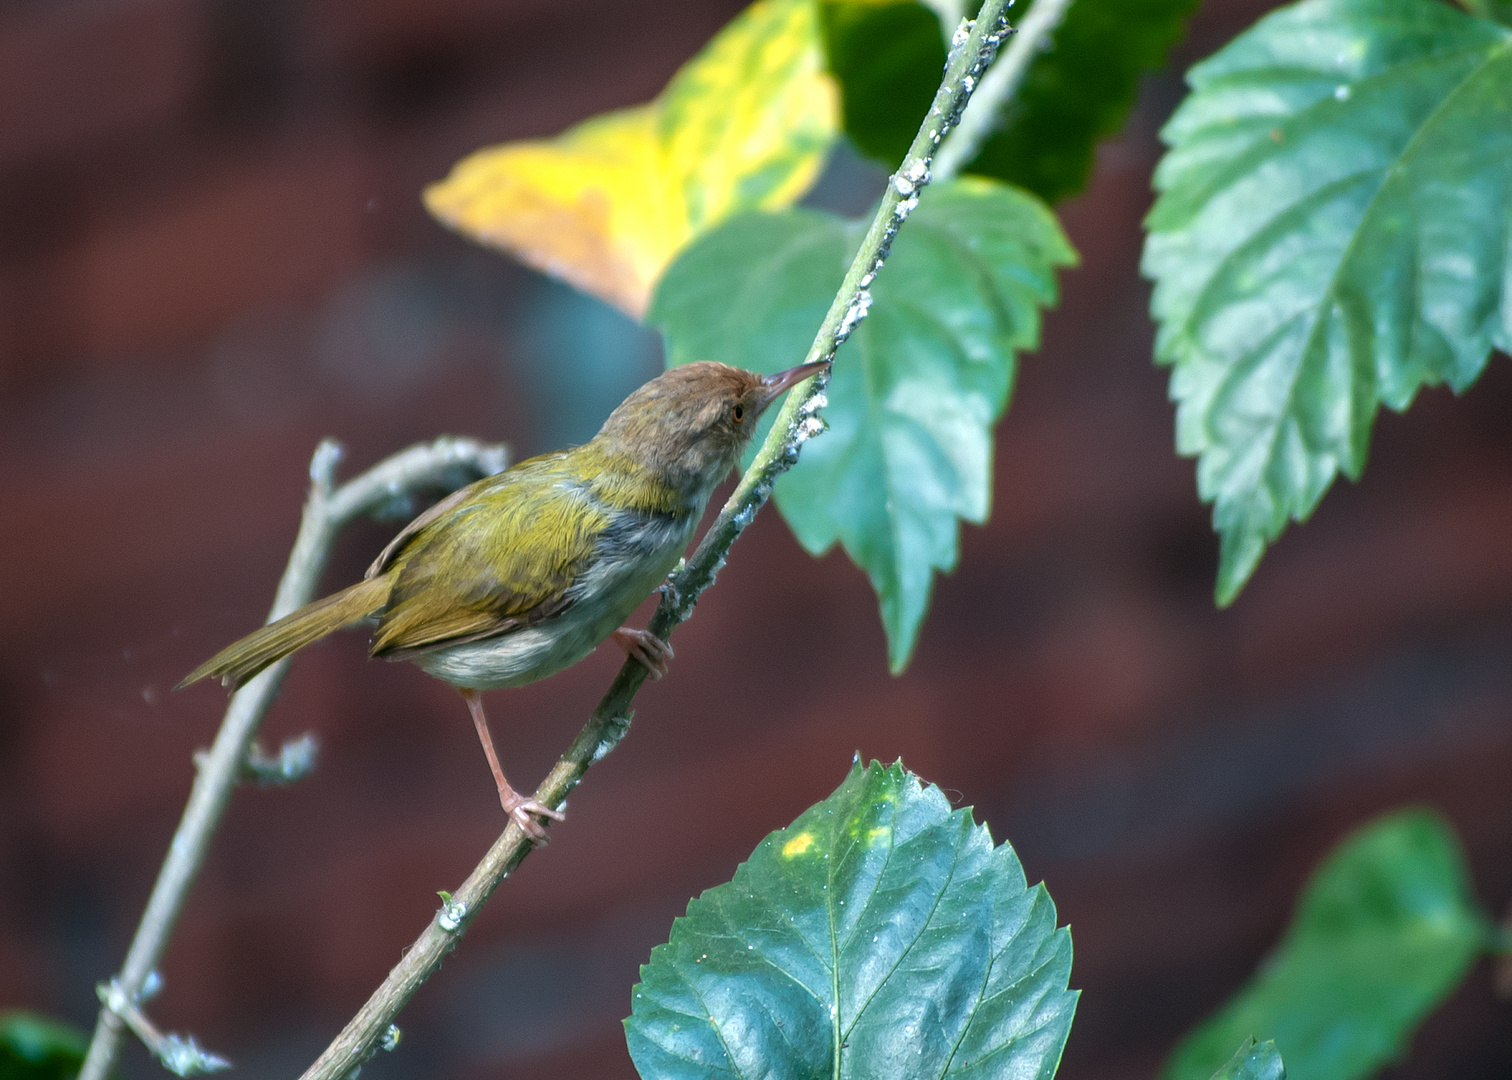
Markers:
688,425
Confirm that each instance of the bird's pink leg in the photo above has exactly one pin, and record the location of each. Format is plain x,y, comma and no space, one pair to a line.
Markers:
646,647
515,805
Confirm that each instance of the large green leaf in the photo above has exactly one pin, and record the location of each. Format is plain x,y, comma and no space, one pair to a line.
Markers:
879,936
1253,1061
1384,931
917,388
887,55
35,1048
1333,233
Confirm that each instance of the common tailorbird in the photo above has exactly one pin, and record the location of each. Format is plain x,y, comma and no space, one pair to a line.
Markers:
522,574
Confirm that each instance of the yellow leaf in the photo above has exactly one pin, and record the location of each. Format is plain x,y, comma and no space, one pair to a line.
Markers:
607,204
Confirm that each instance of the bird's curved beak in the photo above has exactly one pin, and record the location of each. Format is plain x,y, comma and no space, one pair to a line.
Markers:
774,385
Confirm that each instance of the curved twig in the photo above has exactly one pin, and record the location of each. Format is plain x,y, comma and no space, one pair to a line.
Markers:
327,510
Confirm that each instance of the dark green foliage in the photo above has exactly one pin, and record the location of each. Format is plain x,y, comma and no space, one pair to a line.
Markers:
879,936
917,388
1384,931
35,1048
1080,92
887,59
1499,10
1332,234
888,56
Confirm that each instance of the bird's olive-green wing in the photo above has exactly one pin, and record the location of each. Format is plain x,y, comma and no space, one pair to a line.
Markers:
501,558
385,557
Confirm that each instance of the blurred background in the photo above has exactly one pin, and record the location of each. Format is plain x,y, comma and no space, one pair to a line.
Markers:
212,254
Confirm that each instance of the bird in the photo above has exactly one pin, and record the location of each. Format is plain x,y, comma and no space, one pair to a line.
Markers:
521,574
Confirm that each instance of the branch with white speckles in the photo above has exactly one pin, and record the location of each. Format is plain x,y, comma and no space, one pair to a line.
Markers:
998,87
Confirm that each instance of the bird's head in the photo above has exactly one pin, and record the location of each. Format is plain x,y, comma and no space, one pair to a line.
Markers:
688,425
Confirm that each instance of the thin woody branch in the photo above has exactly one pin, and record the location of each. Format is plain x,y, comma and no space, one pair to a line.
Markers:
327,510
972,51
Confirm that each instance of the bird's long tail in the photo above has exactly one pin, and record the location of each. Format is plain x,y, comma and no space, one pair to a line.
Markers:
238,662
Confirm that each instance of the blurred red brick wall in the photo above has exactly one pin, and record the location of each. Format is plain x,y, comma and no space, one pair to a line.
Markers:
212,254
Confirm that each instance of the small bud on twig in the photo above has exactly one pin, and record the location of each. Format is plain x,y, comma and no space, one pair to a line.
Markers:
295,761
179,1054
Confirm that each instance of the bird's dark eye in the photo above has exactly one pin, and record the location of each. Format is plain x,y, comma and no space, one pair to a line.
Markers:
739,413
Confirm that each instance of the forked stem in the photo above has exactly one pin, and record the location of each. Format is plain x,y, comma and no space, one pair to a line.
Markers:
327,510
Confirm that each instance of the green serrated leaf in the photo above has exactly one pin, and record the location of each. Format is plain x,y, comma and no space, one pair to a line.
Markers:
1253,1061
887,57
1384,931
1332,234
33,1047
915,391
879,936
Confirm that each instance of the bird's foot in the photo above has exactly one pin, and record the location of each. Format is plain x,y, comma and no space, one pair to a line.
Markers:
522,809
646,647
